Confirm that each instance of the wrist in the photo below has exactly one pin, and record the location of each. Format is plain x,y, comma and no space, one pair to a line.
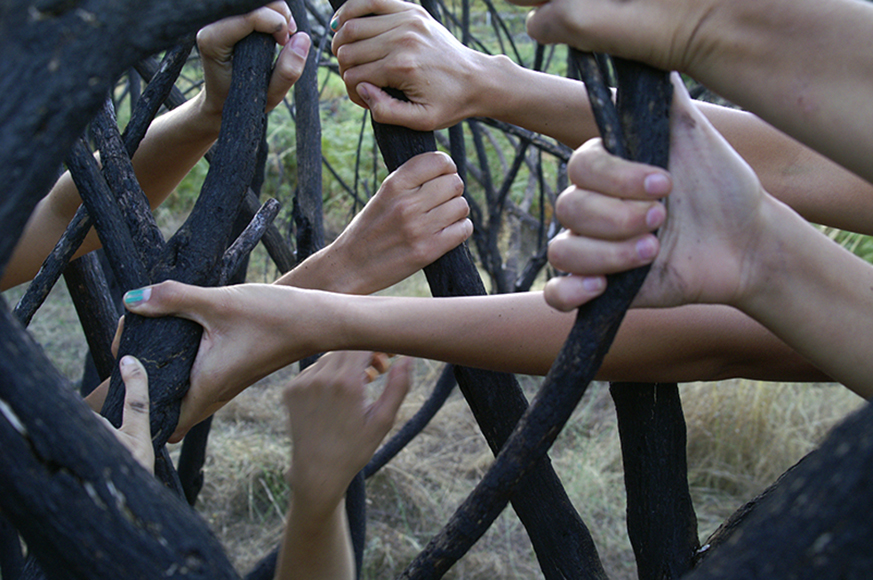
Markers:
777,259
492,76
325,270
205,118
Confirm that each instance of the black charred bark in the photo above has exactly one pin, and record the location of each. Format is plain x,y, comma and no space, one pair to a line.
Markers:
97,310
661,521
167,346
576,365
84,506
561,541
816,523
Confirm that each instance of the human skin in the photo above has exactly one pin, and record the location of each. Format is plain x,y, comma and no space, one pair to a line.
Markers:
804,66
135,431
176,140
391,43
335,430
723,240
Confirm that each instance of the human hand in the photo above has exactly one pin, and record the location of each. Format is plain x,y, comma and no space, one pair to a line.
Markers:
391,43
135,433
705,250
334,428
217,40
663,33
417,215
244,339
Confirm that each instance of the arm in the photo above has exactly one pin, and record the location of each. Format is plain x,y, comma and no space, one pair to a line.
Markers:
399,45
334,433
786,61
175,141
726,242
253,330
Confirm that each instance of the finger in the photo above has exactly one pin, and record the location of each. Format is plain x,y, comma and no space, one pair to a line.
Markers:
384,410
363,40
380,362
448,213
568,292
359,8
423,168
288,68
592,257
454,235
592,167
591,214
274,19
443,189
135,416
116,340
386,109
169,298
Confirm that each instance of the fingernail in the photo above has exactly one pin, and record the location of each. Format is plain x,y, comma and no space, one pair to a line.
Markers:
647,248
334,24
594,284
364,93
657,184
655,216
137,296
126,360
300,45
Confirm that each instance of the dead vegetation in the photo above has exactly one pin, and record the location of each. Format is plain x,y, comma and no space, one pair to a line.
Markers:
741,434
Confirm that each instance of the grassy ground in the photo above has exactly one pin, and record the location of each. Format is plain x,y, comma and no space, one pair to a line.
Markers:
741,435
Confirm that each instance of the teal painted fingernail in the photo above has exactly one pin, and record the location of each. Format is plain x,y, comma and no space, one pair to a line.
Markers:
334,24
137,296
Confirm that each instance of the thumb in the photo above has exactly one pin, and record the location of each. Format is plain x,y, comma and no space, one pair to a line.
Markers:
168,299
386,109
384,410
288,68
135,417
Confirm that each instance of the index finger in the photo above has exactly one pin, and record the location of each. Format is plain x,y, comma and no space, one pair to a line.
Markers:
593,168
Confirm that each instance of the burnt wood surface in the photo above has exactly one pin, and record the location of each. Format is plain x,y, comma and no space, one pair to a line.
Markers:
576,365
167,346
82,504
561,540
816,523
97,311
661,522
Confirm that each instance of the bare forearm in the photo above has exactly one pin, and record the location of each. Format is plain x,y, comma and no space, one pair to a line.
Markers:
521,333
835,305
315,547
173,144
819,189
544,103
787,62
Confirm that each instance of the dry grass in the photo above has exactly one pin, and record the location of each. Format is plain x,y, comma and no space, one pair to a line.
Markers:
741,435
